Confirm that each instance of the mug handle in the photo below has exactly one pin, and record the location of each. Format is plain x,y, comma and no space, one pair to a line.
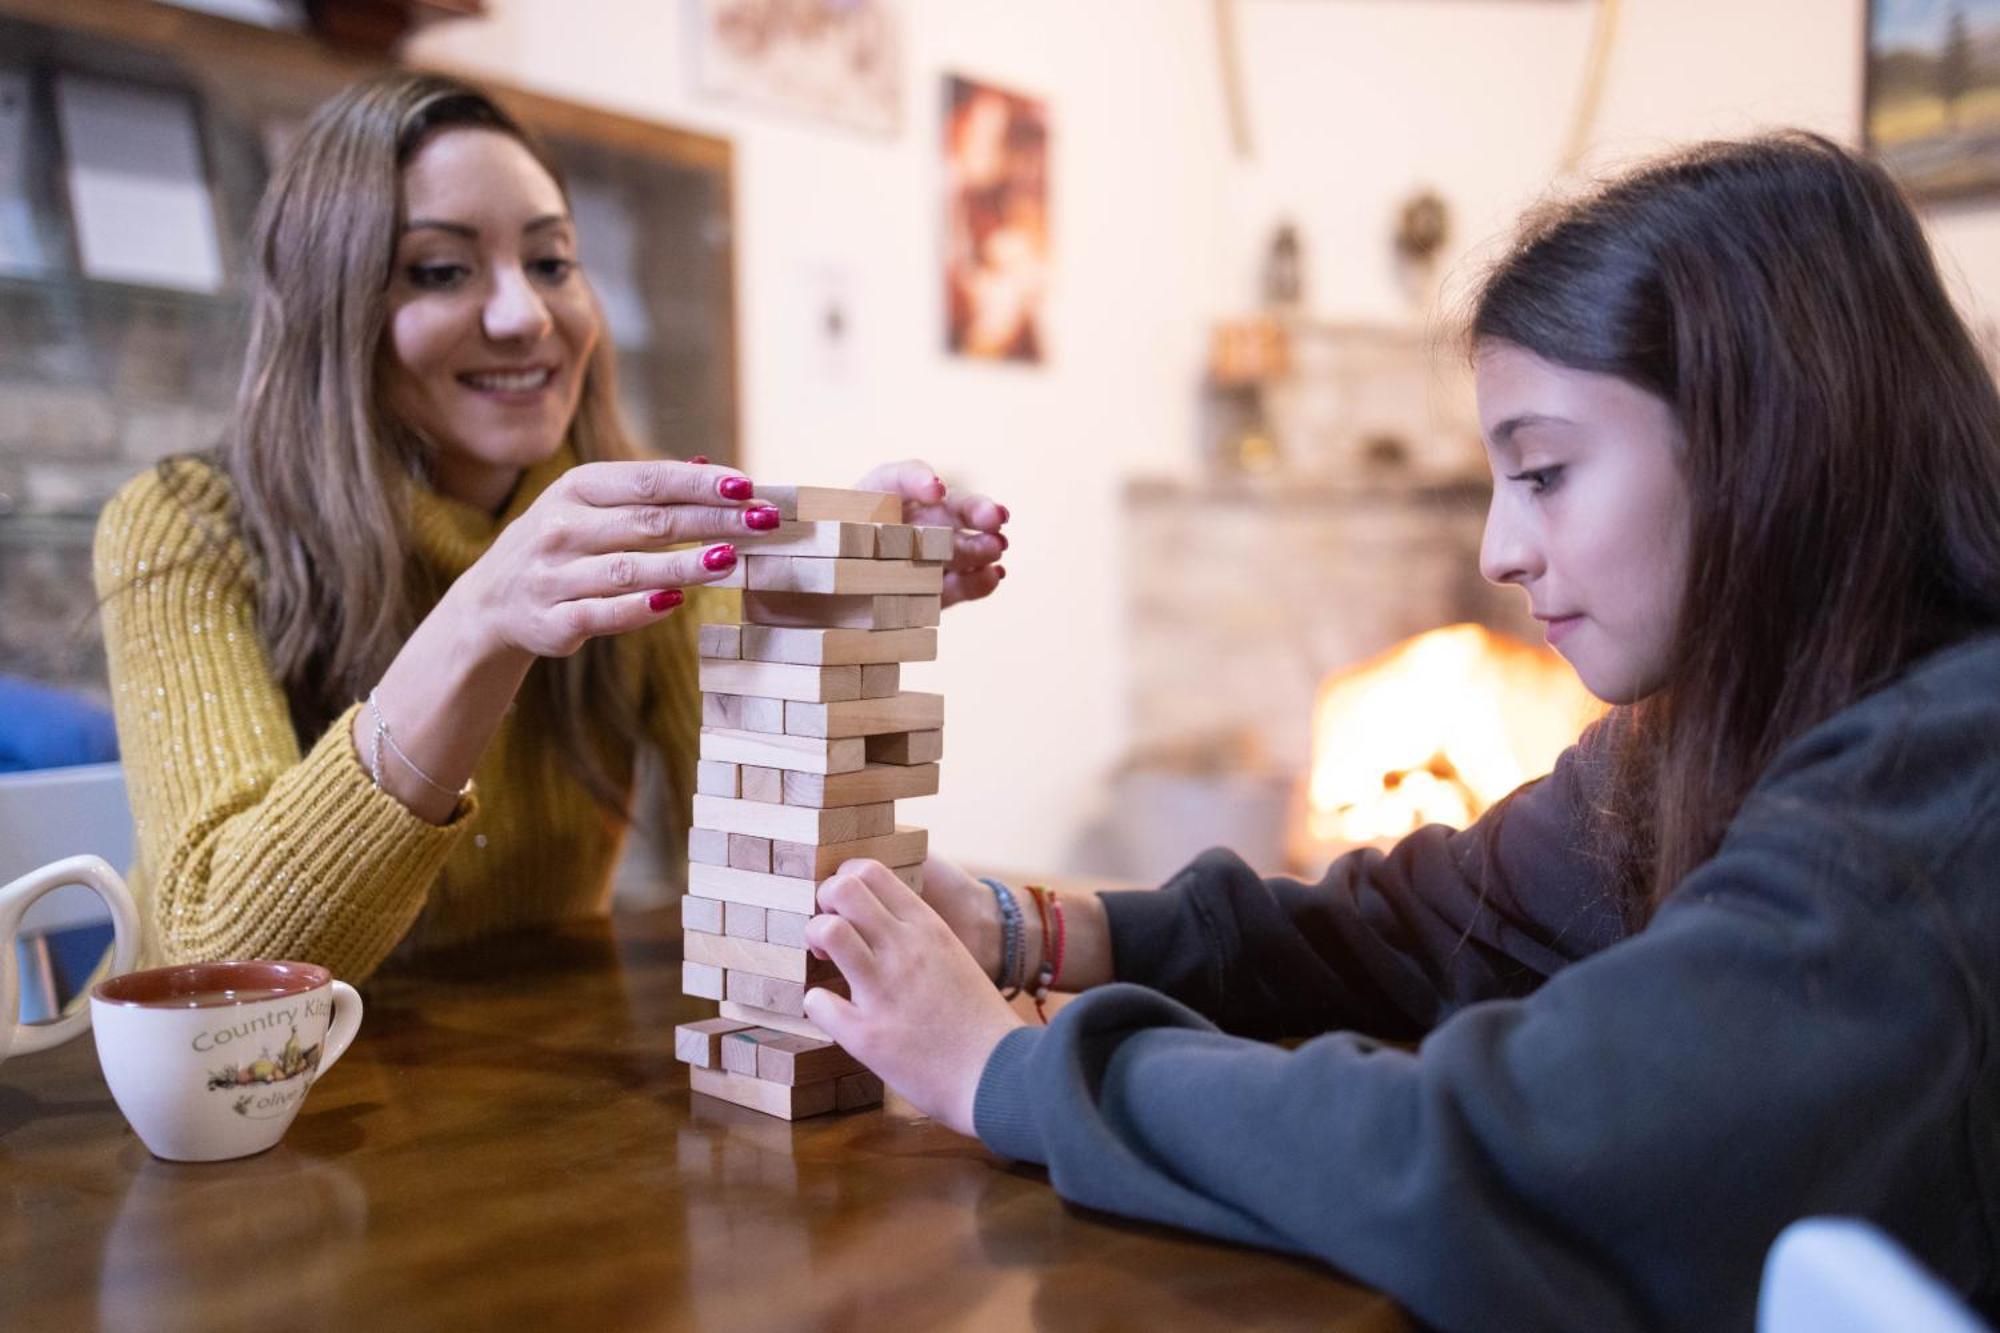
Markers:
340,1032
93,873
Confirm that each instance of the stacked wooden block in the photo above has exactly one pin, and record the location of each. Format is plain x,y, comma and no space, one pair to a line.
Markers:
808,740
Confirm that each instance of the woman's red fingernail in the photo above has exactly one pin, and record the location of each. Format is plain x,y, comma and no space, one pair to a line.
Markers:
719,557
1006,514
1004,543
761,519
734,488
699,458
999,572
666,599
939,483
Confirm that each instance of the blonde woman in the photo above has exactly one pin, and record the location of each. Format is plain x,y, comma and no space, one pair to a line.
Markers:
384,663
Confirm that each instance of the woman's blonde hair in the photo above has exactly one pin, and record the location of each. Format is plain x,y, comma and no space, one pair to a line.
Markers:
316,458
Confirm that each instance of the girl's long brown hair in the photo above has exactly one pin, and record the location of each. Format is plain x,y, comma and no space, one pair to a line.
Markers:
322,471
1842,454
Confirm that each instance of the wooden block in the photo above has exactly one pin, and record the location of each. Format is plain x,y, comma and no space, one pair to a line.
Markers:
935,543
764,784
787,1103
910,875
906,846
738,712
786,928
748,853
822,504
701,1043
766,1018
850,541
879,680
838,647
912,710
755,956
813,611
703,979
701,914
712,777
720,640
804,754
895,541
797,573
919,612
906,747
743,921
877,782
709,846
784,1058
773,993
789,823
782,680
853,1092
739,1049
785,893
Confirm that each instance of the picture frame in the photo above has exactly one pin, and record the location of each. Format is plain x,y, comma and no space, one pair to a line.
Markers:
1931,95
835,61
996,166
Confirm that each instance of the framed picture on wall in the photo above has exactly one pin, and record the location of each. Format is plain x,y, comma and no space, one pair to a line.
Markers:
996,255
1931,101
833,60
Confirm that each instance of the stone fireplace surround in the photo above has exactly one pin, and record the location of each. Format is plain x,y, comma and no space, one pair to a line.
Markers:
1247,590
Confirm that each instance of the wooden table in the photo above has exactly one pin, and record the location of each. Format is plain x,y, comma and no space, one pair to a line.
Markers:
510,1142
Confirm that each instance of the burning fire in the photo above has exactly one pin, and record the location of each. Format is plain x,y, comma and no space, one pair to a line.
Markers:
1436,730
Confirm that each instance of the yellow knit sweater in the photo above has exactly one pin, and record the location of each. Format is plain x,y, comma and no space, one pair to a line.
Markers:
254,843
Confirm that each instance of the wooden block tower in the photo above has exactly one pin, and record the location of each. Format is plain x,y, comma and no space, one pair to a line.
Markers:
808,740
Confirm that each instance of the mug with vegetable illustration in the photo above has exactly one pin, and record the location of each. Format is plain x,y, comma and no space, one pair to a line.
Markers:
212,1060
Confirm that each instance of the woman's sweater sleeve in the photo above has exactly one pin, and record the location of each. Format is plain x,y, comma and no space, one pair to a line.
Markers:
1385,943
251,847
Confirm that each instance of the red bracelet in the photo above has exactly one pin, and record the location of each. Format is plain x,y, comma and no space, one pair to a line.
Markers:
1055,935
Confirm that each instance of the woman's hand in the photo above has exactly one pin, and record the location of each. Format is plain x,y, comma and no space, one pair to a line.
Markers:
973,571
590,556
921,1013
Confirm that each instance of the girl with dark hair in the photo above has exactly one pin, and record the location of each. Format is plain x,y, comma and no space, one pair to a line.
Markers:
1728,965
425,551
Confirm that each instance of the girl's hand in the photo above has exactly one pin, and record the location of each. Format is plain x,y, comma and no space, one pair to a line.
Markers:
921,1013
590,556
968,908
973,571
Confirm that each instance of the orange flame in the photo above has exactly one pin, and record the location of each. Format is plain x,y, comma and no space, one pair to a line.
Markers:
1436,730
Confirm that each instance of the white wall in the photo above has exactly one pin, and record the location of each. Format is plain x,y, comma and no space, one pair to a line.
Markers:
1032,678
1355,103
1158,228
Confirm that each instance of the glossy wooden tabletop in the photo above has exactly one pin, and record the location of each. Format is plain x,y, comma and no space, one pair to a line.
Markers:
510,1142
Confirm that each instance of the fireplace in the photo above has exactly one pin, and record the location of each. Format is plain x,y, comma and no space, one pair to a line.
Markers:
1256,590
1433,731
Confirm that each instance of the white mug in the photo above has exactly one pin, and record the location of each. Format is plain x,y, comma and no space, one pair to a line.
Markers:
213,1060
93,874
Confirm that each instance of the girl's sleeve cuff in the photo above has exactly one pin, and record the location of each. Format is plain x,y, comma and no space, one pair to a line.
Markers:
1002,1112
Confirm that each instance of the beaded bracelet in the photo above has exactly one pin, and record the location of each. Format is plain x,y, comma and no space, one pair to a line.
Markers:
382,733
1055,935
1013,965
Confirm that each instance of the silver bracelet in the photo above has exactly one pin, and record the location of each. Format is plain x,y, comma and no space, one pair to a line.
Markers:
382,733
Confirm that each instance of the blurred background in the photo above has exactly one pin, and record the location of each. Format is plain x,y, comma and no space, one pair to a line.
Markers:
1173,279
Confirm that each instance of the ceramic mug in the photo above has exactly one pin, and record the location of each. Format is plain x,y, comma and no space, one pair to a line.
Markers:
21,1038
212,1060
